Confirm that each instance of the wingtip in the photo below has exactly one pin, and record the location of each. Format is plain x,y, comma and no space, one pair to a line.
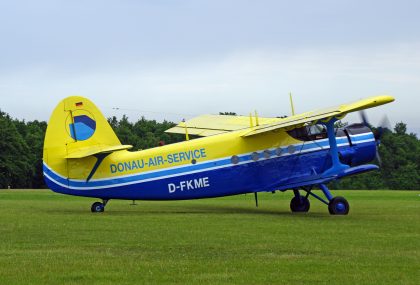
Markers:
387,98
378,101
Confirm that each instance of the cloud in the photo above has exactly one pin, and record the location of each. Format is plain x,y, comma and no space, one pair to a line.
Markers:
240,81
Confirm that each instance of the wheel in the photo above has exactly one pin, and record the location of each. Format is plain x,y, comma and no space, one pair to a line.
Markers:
300,204
97,207
339,206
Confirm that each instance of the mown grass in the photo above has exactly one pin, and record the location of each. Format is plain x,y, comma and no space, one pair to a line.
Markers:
46,238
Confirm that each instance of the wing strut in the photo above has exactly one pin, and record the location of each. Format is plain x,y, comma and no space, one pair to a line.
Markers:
337,166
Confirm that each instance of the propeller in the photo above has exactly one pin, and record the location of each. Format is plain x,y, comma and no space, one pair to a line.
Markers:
378,132
383,126
380,129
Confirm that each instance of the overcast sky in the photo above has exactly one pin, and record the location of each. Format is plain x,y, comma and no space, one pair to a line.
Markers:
176,59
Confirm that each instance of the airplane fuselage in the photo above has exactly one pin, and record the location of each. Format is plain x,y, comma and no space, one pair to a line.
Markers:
214,166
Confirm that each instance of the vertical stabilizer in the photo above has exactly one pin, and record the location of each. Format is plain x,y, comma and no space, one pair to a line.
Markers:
76,125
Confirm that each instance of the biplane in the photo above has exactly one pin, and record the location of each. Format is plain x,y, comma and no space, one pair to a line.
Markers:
233,155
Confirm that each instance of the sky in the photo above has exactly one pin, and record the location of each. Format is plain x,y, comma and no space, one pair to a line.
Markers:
175,59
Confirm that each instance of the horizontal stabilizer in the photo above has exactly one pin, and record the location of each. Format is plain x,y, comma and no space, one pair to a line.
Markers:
96,149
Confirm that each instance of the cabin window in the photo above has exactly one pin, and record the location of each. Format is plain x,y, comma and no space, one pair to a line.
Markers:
255,156
291,149
267,154
234,159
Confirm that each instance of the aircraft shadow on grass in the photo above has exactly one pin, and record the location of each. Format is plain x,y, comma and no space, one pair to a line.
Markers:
196,210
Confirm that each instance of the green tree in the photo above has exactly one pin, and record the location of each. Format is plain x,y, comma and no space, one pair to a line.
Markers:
144,133
400,153
34,137
16,169
21,150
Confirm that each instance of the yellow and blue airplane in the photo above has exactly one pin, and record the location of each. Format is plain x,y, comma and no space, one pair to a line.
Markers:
236,155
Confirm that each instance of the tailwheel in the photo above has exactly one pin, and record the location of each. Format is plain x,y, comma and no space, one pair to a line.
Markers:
97,207
339,206
300,204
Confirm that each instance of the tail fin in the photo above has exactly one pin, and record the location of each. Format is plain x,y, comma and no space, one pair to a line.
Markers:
77,129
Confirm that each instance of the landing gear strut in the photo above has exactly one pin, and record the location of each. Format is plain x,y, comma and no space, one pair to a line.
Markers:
98,207
336,205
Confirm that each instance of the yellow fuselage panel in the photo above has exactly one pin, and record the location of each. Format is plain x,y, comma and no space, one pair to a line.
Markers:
180,154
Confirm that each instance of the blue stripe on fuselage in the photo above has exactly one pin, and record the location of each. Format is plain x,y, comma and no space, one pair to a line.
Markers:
297,165
157,174
264,175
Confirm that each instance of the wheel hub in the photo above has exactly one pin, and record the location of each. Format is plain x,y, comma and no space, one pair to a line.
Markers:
340,207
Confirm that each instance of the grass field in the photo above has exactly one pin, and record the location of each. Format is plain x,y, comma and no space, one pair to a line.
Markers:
47,238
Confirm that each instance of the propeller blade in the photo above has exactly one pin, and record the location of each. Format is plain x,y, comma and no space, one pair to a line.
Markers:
385,123
378,132
383,126
364,118
378,156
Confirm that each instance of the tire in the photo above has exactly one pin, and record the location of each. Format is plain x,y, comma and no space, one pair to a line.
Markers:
97,207
339,206
300,205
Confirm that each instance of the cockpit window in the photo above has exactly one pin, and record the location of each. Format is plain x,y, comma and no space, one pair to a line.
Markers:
309,133
316,130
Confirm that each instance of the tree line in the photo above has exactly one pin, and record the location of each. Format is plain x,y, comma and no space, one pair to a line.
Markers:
21,147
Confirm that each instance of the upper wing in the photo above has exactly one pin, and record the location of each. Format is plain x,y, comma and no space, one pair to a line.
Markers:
208,125
323,115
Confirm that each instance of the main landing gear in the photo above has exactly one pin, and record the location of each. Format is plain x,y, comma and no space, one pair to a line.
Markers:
299,204
336,205
99,207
